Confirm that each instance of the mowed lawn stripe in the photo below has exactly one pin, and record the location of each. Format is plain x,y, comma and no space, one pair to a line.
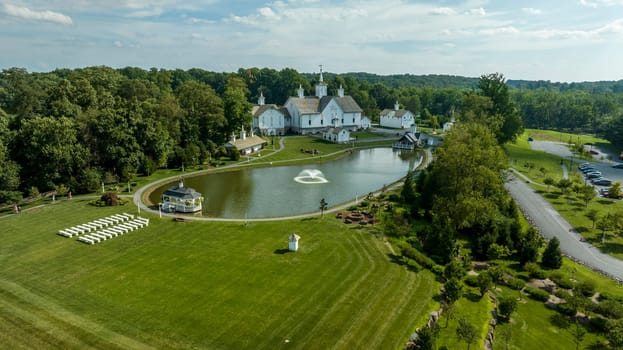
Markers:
309,308
205,284
294,297
334,323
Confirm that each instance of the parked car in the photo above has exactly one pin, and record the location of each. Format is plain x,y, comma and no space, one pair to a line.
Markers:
593,175
602,182
584,165
603,192
618,166
588,170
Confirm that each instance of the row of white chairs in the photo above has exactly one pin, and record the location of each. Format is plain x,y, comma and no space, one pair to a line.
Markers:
95,225
117,230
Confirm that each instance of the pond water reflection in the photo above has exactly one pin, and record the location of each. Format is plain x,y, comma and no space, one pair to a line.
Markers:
275,191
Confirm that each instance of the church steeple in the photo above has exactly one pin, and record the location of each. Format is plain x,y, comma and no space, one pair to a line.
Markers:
321,87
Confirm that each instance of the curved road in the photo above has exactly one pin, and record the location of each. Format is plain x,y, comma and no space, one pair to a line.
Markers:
552,224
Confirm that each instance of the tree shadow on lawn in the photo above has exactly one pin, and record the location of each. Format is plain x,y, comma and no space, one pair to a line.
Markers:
473,297
582,229
612,248
551,195
281,251
605,202
397,259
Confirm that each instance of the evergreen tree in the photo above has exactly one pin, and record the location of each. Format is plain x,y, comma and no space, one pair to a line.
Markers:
552,257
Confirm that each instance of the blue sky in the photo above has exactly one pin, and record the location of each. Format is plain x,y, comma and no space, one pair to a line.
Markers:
571,40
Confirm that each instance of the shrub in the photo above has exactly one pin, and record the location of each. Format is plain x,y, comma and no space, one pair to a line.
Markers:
394,197
471,281
534,270
537,294
586,288
599,324
561,280
609,296
515,283
110,198
437,270
562,294
566,309
407,250
608,308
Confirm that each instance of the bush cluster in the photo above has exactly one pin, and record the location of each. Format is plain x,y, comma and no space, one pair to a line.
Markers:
537,294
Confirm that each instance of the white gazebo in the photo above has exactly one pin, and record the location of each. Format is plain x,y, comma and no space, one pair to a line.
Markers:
181,199
293,242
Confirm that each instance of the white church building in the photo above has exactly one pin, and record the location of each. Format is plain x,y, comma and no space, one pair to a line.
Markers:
397,118
313,114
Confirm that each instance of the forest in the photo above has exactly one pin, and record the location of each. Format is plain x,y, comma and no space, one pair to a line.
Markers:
76,128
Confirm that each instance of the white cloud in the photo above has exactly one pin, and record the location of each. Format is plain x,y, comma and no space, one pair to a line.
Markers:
479,11
500,31
599,3
117,43
26,13
531,11
442,11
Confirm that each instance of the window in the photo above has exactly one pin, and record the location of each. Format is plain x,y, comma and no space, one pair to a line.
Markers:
353,119
342,120
321,122
309,122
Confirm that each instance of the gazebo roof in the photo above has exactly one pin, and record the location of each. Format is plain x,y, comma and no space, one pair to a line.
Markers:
182,192
294,237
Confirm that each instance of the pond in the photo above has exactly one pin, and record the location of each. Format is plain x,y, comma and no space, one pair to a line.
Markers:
297,189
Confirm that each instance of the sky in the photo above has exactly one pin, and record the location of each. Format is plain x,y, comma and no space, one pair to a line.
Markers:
570,40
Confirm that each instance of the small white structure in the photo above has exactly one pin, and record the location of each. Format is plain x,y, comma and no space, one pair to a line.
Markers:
448,125
181,199
293,242
246,144
397,118
365,123
336,135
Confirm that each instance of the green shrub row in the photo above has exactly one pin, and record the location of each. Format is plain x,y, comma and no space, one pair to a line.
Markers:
537,294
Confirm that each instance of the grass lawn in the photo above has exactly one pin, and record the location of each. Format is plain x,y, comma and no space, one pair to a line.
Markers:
476,310
203,285
532,328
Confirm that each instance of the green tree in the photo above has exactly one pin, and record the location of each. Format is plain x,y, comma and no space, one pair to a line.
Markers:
578,332
236,106
323,206
425,339
484,283
466,332
506,307
548,181
615,335
494,87
453,269
615,191
592,214
453,288
506,334
552,257
587,193
564,185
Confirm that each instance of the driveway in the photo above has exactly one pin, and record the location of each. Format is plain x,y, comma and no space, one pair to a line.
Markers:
552,224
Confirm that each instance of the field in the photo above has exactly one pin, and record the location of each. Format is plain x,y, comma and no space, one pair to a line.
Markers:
203,285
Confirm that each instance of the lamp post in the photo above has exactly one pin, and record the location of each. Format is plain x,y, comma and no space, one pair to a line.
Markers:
160,209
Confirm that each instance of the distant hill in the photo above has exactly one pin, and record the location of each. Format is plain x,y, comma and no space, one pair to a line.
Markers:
439,81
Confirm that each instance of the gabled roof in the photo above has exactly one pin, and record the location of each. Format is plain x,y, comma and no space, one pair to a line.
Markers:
306,105
294,237
285,112
248,142
182,192
257,110
410,137
348,104
397,113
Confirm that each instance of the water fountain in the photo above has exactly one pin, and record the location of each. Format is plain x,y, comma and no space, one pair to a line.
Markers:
311,176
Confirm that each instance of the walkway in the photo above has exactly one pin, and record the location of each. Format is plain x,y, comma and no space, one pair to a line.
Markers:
552,224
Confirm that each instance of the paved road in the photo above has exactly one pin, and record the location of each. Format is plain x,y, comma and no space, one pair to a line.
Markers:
552,224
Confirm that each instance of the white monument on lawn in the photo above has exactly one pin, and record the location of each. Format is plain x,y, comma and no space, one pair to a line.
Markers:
293,242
